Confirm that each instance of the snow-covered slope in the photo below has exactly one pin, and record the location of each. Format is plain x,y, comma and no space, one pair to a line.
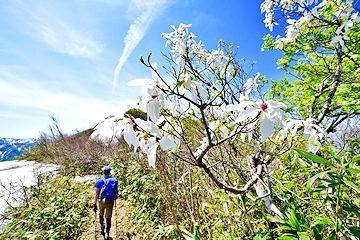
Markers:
108,129
16,174
11,148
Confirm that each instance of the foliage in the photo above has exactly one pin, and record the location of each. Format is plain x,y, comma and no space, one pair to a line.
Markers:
165,209
74,153
55,208
321,196
321,51
204,118
228,167
136,113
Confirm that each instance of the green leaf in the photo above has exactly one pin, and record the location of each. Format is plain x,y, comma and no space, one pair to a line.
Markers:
314,157
315,177
353,170
338,160
303,235
355,231
272,219
293,221
142,60
288,237
321,221
188,235
285,227
350,184
356,158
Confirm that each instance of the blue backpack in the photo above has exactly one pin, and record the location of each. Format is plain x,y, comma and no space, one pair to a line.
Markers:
109,189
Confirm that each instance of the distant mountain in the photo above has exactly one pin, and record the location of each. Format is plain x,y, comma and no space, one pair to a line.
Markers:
11,148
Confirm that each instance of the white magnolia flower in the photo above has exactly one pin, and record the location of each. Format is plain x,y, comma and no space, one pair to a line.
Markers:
251,85
203,144
244,102
270,116
170,125
279,44
186,83
287,4
306,18
149,145
218,126
311,131
198,92
266,6
269,21
292,31
130,135
344,10
153,98
349,22
216,59
148,127
179,42
166,143
339,38
313,141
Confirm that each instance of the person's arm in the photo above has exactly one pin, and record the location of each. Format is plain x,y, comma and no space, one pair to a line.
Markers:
96,198
116,189
97,191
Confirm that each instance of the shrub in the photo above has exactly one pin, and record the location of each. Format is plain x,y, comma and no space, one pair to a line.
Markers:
55,208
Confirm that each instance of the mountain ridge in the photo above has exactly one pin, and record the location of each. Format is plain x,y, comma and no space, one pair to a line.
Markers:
11,148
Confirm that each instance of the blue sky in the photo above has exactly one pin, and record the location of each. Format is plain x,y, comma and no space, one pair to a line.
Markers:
59,57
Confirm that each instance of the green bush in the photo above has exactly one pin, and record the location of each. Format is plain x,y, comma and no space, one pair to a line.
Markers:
136,113
55,208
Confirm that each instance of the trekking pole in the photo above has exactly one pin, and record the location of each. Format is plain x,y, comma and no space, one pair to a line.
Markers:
116,220
95,223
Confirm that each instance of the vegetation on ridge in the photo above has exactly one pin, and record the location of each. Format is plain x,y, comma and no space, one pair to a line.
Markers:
232,168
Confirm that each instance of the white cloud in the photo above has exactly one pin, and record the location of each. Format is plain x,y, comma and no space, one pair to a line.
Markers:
12,115
51,28
18,92
149,10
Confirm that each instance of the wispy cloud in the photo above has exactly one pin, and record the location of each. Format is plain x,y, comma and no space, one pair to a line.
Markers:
53,29
149,11
16,91
12,115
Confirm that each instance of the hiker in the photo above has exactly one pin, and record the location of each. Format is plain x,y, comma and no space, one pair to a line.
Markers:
106,194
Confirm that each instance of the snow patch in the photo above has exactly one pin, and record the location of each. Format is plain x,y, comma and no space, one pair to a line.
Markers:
15,175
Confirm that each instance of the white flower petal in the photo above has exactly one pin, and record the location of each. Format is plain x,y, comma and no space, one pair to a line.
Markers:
275,104
152,154
141,123
266,128
251,112
166,143
153,109
130,137
153,129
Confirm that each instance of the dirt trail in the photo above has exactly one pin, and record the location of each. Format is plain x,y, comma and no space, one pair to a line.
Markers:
122,229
